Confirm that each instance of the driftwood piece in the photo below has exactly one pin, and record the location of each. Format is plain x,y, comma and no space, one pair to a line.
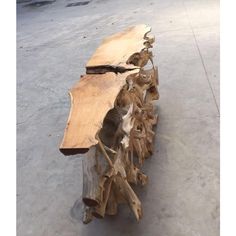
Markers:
91,178
112,204
130,196
112,118
99,211
87,214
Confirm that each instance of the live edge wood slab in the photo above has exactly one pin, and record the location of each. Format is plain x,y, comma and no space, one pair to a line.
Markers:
115,51
91,98
112,119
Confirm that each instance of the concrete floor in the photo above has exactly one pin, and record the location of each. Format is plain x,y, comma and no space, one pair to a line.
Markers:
53,44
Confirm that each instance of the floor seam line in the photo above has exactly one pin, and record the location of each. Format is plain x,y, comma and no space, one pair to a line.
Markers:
202,61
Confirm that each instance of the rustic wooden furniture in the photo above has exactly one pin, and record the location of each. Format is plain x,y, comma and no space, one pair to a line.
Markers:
112,119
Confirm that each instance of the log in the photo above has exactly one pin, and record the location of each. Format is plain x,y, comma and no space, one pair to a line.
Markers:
99,211
94,167
91,194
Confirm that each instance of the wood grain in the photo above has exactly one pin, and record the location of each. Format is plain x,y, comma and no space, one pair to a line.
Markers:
91,98
112,118
115,51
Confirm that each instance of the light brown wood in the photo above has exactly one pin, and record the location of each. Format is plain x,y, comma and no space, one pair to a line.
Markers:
91,98
116,51
112,118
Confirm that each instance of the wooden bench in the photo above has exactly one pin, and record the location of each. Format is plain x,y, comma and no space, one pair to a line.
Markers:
112,119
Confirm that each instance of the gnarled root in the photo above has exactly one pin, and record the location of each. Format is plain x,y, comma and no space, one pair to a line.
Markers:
124,142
